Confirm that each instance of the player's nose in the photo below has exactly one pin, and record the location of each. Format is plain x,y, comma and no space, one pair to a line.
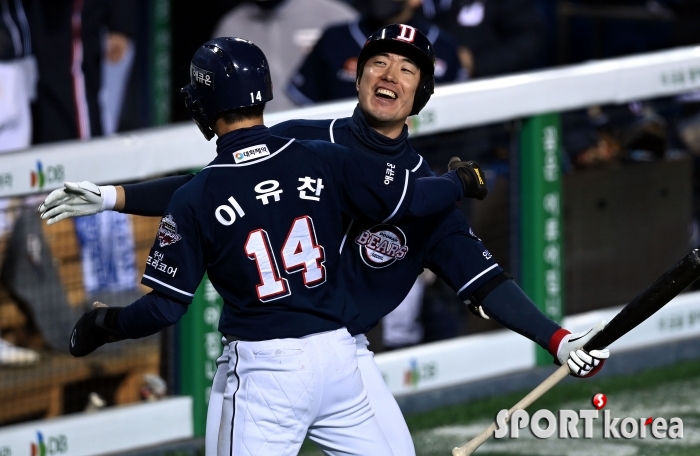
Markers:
390,74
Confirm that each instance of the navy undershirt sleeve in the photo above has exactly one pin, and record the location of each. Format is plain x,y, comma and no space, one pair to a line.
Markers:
151,198
434,194
150,314
512,308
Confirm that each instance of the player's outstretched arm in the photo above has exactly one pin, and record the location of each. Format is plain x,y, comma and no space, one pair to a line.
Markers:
146,316
508,304
460,258
77,199
435,194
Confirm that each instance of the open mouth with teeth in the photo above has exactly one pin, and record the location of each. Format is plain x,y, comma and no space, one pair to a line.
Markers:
385,93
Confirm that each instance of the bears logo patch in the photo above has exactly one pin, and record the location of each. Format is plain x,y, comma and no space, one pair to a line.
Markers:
381,245
167,231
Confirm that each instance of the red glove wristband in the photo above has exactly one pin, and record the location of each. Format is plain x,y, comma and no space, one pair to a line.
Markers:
555,341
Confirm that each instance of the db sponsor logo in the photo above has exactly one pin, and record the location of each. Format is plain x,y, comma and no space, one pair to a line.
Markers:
46,175
52,445
544,424
417,373
382,245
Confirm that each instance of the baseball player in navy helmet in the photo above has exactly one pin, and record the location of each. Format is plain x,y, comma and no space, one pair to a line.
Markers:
394,80
266,220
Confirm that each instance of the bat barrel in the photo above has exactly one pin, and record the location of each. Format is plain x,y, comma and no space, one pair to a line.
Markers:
644,305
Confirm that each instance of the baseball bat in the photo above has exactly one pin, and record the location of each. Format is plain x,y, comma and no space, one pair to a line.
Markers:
643,306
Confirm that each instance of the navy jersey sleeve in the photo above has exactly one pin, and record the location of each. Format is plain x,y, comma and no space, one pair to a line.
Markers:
459,257
149,314
368,186
151,198
512,308
175,265
303,129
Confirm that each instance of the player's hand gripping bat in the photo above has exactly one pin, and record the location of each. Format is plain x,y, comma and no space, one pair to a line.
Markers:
644,305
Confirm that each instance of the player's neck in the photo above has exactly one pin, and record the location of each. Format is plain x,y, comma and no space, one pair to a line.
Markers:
221,127
390,130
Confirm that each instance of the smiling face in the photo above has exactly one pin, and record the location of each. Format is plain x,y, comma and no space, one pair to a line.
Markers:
386,90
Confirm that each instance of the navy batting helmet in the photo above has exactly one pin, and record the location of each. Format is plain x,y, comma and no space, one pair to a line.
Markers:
225,74
410,42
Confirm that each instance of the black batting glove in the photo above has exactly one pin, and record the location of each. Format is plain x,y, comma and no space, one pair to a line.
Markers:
94,329
472,177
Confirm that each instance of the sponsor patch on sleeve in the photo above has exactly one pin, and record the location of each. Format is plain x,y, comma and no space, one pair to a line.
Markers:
158,261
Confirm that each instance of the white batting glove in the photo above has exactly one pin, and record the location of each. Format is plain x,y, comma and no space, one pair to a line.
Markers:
77,199
582,363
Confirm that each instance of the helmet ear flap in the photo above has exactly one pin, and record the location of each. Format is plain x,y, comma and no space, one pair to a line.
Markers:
197,112
425,89
206,130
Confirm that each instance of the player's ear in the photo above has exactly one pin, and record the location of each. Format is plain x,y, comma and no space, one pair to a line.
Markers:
357,84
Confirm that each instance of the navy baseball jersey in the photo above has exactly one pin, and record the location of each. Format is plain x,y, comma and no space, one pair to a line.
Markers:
264,220
382,260
329,71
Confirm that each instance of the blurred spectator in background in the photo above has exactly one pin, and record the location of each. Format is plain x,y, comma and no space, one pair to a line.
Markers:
285,30
686,32
68,37
403,327
495,36
116,68
601,137
329,71
597,29
17,77
17,88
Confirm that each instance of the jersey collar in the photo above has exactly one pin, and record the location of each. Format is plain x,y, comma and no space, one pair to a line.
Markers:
368,139
242,138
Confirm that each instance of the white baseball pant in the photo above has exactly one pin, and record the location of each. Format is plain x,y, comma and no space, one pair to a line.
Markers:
279,390
387,412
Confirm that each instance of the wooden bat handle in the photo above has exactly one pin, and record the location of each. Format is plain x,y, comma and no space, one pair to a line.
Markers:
525,402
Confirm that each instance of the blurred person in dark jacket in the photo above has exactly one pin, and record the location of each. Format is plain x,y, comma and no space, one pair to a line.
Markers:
329,71
68,38
495,36
286,30
17,77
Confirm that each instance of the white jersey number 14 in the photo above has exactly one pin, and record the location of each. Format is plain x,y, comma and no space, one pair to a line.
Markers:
300,252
